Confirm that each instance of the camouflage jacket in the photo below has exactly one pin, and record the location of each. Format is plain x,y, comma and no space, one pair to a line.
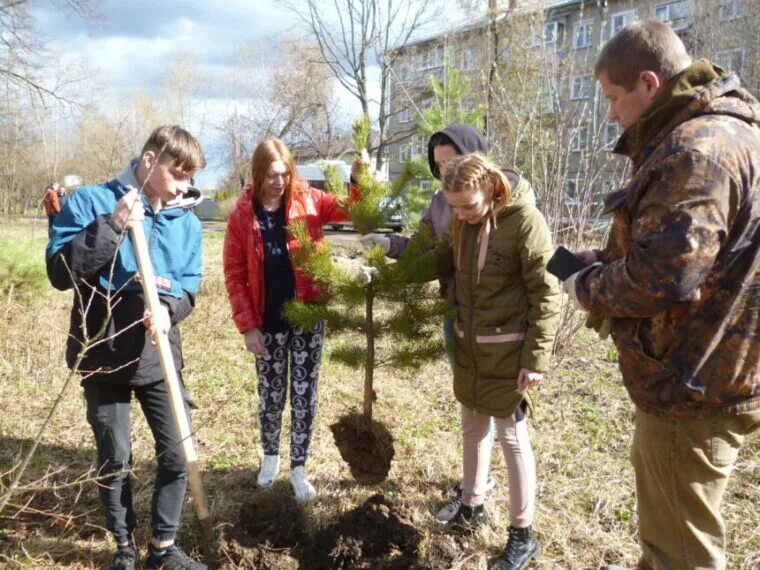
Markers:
680,273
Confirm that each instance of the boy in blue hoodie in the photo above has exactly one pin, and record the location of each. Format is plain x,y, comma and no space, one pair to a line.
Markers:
109,340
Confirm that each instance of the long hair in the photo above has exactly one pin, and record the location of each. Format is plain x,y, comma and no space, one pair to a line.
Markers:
475,171
267,152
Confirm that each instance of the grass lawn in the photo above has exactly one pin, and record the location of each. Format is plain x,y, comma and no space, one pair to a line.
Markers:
586,513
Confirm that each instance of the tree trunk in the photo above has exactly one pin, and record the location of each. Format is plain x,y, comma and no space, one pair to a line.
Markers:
369,363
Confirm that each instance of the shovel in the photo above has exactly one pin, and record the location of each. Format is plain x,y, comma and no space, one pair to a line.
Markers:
176,401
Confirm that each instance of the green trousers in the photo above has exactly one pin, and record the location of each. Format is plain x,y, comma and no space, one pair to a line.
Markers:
682,468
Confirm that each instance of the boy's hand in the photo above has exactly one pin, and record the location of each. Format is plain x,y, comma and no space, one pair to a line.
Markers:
161,322
129,210
528,379
254,342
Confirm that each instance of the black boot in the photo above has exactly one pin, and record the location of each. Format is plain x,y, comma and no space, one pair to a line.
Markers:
468,519
521,548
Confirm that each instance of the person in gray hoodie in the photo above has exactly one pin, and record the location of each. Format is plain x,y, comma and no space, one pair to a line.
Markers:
444,145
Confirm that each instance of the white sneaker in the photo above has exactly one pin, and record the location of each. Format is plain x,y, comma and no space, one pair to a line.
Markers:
304,490
268,472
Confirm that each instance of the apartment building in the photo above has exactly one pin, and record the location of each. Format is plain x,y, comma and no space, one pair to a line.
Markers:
554,50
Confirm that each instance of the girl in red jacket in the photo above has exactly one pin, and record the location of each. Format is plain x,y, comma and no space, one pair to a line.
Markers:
260,279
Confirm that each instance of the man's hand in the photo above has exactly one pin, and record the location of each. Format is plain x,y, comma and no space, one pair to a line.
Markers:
371,240
129,210
254,342
158,323
528,379
588,256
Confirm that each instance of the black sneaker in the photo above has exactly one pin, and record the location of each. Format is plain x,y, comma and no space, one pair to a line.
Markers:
449,510
468,519
521,548
171,558
124,559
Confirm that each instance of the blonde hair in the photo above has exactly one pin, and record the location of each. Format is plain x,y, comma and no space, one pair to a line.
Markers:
267,152
474,172
176,145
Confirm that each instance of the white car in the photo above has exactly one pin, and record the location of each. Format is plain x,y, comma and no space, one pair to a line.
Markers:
313,174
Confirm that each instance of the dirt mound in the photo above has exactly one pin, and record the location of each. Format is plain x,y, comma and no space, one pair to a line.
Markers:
375,535
367,447
270,528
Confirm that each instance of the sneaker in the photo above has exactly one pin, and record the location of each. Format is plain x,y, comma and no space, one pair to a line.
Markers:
468,519
171,558
450,509
268,472
124,559
303,489
521,548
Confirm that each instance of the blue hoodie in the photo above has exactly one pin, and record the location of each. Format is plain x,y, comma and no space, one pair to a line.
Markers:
89,251
173,235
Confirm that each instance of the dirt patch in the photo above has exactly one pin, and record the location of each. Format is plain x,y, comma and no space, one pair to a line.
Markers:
375,535
443,551
270,528
367,447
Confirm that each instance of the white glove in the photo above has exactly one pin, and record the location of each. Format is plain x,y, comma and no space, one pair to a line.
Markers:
569,286
371,240
367,274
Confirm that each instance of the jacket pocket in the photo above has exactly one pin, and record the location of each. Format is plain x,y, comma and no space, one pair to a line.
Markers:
497,351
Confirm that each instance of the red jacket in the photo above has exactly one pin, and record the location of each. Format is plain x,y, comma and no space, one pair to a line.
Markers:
244,251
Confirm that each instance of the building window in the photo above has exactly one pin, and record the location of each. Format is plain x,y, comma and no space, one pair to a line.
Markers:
610,135
730,60
581,87
418,146
404,116
729,11
571,188
467,59
583,35
621,20
432,58
403,73
579,140
678,15
553,32
404,152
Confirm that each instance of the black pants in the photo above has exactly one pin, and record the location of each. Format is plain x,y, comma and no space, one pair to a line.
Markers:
108,414
305,351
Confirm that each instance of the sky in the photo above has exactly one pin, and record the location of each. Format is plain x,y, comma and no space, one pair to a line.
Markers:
133,42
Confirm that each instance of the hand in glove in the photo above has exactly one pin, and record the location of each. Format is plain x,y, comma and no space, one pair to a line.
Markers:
367,274
371,240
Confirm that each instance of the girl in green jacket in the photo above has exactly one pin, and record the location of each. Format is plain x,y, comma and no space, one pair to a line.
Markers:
507,313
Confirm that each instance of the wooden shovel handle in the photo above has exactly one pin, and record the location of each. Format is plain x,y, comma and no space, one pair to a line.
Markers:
176,401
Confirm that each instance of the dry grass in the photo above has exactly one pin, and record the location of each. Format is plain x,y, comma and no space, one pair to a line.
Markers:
581,434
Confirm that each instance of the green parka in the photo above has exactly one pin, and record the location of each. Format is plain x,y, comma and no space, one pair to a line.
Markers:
507,310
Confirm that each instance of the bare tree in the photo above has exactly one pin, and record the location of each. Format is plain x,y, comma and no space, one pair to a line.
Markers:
352,35
293,100
22,53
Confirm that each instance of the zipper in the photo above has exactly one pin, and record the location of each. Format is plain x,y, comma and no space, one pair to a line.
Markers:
473,268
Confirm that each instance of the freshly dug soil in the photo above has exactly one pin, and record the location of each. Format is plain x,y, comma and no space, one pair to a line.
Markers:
367,447
374,535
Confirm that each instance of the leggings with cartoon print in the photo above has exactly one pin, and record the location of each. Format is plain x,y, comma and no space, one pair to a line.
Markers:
304,349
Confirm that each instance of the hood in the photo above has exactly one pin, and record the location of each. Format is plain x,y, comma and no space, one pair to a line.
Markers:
701,89
465,138
190,199
522,191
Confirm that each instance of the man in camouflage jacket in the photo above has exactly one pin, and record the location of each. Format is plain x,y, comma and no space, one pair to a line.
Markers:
680,284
